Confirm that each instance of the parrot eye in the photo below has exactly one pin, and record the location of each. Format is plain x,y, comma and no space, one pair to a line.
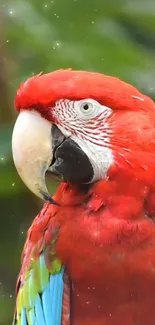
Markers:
87,109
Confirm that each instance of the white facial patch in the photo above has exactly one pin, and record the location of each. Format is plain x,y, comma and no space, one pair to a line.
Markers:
100,157
86,123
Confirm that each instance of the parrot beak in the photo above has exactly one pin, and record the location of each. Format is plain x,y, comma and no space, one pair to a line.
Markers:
32,151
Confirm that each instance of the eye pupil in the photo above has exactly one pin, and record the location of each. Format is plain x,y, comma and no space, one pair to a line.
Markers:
85,107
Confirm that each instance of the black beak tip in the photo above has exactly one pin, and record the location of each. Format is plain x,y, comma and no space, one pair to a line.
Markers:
48,198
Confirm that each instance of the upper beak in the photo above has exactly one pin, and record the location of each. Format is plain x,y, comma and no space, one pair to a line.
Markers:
32,151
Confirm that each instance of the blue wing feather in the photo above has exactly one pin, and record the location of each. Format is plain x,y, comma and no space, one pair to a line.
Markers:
39,311
52,299
23,317
57,286
46,298
46,309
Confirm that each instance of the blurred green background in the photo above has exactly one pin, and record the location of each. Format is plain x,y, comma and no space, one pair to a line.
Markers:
116,37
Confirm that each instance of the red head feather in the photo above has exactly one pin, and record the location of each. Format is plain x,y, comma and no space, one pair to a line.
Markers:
41,91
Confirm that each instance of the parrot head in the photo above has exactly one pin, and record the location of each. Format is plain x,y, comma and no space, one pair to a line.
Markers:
81,127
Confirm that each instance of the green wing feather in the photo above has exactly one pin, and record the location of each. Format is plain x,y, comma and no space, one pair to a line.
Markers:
40,282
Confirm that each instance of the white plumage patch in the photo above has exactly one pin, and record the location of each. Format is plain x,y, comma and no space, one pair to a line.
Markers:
86,122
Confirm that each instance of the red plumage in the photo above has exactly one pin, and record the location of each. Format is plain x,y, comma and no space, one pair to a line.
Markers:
106,231
112,282
41,91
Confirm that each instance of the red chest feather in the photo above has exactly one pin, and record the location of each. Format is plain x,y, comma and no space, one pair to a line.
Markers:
109,255
107,244
112,281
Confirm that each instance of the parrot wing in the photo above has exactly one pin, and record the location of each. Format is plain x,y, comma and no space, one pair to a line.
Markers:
42,286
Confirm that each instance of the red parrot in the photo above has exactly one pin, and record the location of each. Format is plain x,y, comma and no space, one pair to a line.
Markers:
89,256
